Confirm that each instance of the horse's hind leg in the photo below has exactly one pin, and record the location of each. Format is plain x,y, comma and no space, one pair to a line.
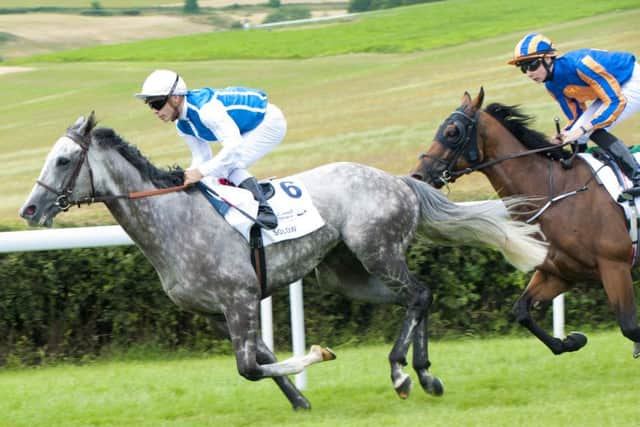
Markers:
430,383
617,282
298,401
541,288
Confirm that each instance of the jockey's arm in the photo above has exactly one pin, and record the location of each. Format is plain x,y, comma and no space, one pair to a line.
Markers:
215,117
607,89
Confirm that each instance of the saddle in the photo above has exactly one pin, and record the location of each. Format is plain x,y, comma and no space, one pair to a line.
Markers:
610,176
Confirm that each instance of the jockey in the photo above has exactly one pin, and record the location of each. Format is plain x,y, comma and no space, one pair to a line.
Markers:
240,119
610,79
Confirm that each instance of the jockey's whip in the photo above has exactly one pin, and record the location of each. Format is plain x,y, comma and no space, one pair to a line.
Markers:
566,163
245,214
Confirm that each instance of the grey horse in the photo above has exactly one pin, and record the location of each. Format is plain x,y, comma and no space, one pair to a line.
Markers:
203,263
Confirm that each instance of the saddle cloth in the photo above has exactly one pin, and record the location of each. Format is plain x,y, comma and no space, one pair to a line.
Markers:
615,182
291,202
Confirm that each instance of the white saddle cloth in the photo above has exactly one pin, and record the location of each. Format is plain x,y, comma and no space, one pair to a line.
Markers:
297,216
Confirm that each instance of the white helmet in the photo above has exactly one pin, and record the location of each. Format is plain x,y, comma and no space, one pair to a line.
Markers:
161,83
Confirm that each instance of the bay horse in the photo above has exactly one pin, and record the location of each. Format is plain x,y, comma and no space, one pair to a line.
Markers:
204,264
586,230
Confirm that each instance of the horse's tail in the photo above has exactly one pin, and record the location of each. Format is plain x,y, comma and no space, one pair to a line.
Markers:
485,224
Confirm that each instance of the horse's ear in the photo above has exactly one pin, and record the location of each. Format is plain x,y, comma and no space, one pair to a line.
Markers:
84,125
477,103
466,98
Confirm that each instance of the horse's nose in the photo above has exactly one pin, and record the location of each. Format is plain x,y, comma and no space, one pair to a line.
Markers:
28,212
418,176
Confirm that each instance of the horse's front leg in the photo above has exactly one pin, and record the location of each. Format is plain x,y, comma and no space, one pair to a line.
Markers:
242,320
544,287
617,282
430,383
265,355
297,399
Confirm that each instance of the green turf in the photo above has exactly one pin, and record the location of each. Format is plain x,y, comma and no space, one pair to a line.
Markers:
488,382
406,29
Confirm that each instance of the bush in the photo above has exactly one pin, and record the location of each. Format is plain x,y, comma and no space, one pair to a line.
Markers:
191,7
80,304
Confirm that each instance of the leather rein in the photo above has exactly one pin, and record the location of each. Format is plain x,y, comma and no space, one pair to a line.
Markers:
64,200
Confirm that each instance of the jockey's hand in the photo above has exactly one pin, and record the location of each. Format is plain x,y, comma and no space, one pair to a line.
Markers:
556,139
191,176
572,135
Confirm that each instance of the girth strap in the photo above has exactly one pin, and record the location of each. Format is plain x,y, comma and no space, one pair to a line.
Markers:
258,259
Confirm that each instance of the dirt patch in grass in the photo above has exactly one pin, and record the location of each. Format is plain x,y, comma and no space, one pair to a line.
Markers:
41,33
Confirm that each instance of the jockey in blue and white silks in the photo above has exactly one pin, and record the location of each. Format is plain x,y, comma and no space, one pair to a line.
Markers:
611,80
241,119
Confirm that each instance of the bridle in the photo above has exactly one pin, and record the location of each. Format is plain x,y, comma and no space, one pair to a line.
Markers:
64,200
465,143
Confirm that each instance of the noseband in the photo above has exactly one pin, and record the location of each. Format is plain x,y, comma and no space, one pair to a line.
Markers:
63,199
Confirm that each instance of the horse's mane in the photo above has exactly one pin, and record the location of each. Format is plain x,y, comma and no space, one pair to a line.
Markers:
106,137
516,122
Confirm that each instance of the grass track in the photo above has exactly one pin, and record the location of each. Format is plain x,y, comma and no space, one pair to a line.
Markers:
488,382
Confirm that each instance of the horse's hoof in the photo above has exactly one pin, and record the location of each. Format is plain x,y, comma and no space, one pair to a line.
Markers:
302,405
431,384
636,350
404,389
575,341
435,387
325,352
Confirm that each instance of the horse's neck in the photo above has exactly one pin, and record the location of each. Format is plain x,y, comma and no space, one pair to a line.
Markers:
113,175
522,175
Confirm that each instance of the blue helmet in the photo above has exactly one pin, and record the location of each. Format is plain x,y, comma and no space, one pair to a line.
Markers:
532,46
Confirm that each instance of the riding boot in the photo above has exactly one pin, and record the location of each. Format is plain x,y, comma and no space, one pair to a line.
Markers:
629,166
265,214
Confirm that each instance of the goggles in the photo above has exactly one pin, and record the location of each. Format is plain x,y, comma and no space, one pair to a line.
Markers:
158,102
530,65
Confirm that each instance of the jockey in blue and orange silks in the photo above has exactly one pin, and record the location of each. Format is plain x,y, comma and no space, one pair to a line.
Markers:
610,79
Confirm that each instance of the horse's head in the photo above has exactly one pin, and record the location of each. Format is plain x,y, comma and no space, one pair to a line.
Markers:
455,147
63,176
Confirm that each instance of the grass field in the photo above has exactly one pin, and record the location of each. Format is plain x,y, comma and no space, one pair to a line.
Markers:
398,30
488,382
381,110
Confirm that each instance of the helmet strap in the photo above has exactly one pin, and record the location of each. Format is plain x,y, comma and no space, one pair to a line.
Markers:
549,68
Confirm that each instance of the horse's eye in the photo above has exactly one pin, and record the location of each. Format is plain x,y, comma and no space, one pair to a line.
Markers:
451,132
62,161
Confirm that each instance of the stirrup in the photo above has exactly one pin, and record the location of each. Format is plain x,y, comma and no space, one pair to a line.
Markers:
267,217
630,193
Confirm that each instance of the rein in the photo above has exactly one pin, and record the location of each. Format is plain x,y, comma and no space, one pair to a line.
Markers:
64,200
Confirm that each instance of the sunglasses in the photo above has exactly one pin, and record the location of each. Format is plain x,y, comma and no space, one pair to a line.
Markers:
158,102
530,65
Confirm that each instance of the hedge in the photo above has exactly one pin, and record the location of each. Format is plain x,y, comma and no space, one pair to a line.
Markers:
84,303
